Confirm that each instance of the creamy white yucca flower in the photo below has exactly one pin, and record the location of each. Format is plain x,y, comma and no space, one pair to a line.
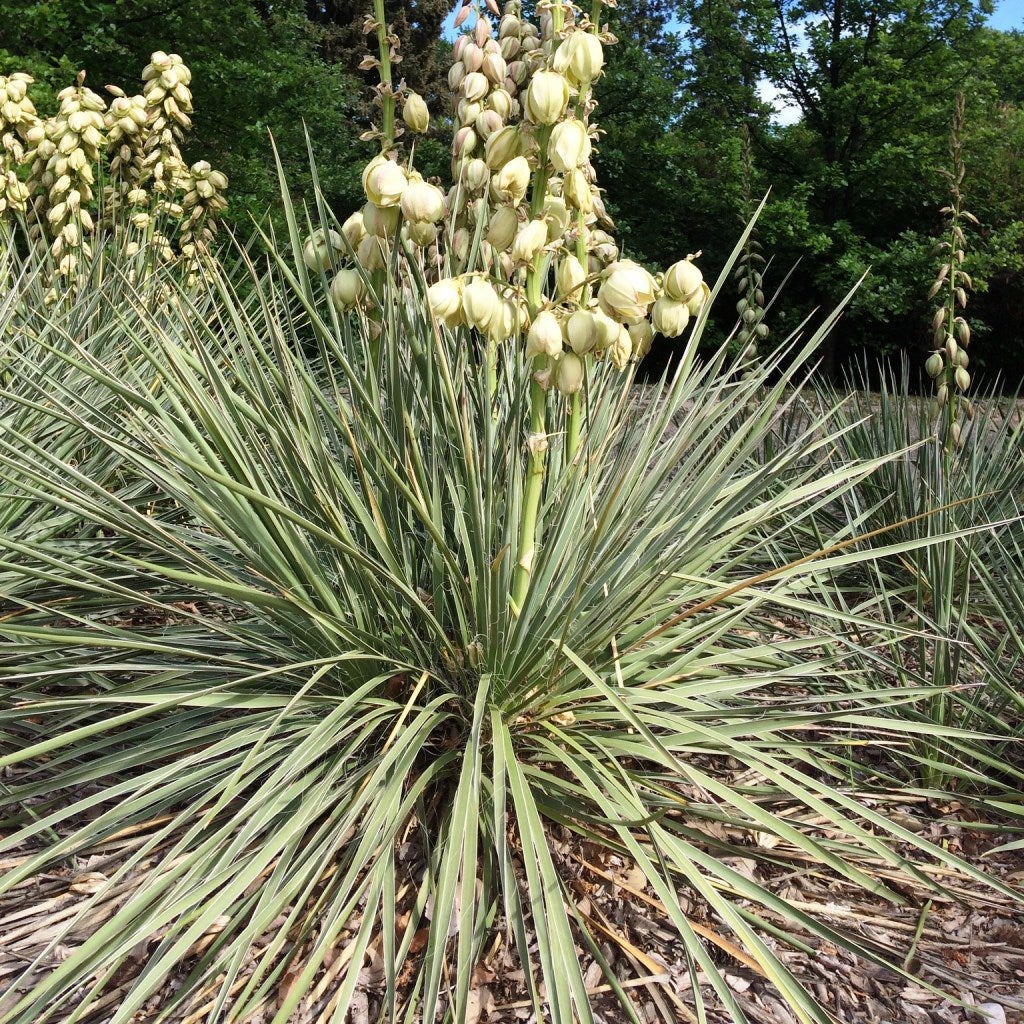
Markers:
321,248
627,291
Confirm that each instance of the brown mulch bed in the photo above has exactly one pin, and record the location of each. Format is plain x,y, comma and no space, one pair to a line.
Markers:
967,942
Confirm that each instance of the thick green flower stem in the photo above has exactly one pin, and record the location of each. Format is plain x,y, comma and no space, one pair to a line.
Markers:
575,427
387,96
537,442
529,524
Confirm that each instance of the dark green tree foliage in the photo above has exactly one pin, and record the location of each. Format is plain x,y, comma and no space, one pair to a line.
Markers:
417,23
256,69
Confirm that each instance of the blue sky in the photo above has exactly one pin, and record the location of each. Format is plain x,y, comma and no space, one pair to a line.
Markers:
1009,14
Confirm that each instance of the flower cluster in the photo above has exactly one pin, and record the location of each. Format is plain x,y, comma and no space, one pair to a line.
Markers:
18,119
519,246
951,334
50,168
66,151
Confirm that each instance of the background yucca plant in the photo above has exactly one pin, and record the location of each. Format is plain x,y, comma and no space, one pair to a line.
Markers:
961,596
281,703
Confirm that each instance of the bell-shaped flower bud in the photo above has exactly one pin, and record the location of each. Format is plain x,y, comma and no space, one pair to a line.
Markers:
380,222
546,97
642,336
370,254
626,291
464,142
505,321
486,124
580,58
415,113
384,183
475,174
494,68
500,101
474,86
545,336
502,228
569,278
682,281
582,331
512,181
608,330
699,299
319,250
445,300
556,216
532,237
347,289
933,365
480,303
468,111
621,349
354,229
569,145
422,232
422,201
569,373
501,147
670,317
576,191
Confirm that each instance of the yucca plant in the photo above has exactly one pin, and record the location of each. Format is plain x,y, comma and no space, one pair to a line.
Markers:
960,595
287,715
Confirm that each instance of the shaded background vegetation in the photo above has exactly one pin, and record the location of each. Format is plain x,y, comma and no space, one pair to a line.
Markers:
865,89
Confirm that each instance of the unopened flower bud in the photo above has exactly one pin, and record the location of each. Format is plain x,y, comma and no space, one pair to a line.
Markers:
670,317
384,182
319,250
475,174
532,237
474,86
415,113
933,365
569,278
546,97
501,147
699,299
580,58
569,145
354,230
347,289
422,201
682,280
502,228
370,254
576,191
480,303
569,373
445,301
422,232
501,103
626,291
582,331
383,223
962,378
512,181
621,349
642,336
544,337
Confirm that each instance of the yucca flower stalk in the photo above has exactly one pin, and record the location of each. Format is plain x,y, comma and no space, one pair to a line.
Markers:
516,250
748,275
951,334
